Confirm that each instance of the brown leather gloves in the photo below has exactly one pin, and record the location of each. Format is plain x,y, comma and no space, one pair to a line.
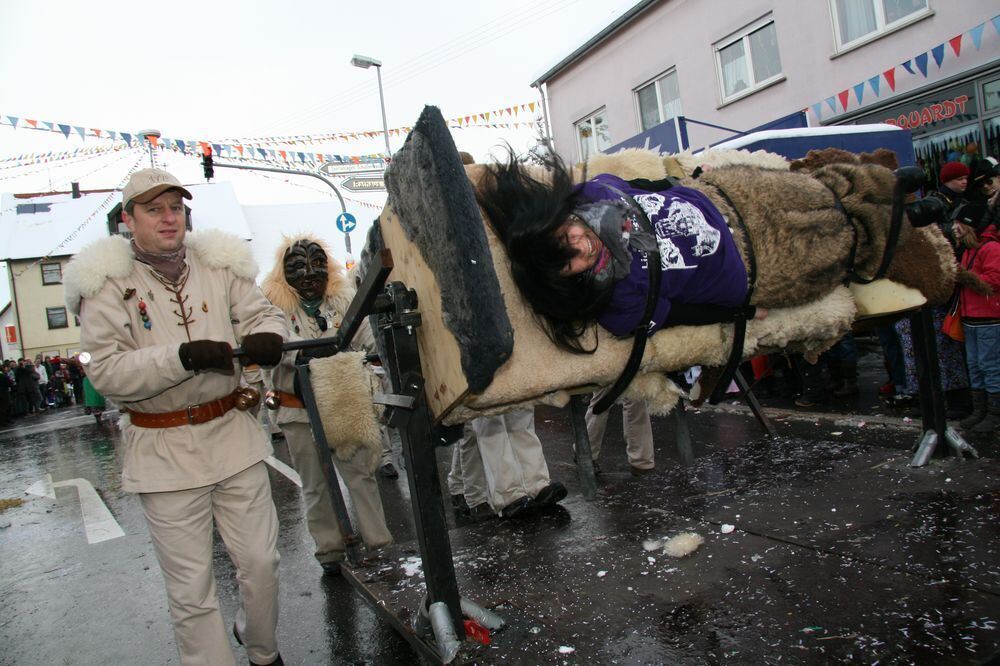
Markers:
201,355
262,348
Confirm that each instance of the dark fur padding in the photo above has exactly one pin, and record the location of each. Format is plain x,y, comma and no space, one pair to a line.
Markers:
802,242
431,193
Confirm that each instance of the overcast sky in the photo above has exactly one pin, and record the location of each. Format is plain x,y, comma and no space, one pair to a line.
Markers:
218,70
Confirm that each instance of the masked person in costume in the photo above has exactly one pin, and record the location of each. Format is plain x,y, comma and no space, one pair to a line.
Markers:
160,316
310,287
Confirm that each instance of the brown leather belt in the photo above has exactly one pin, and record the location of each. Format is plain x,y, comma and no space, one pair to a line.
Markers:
289,400
192,415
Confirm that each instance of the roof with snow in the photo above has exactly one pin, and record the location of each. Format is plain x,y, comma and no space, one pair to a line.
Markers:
58,225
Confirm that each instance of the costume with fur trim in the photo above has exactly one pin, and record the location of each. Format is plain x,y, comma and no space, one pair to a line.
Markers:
133,322
343,386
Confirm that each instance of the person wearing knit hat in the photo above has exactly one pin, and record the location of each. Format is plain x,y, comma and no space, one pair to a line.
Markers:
954,176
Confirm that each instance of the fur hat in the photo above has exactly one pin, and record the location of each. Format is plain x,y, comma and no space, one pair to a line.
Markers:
277,290
951,171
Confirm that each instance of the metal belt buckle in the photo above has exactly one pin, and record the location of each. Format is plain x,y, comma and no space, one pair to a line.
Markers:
190,413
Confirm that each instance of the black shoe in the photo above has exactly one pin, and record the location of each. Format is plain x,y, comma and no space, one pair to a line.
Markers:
481,512
641,471
551,494
459,504
388,470
331,568
519,507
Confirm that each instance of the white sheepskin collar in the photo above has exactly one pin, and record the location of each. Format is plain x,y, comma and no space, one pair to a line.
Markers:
112,258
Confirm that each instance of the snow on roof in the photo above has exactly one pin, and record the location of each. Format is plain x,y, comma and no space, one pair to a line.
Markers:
804,132
59,225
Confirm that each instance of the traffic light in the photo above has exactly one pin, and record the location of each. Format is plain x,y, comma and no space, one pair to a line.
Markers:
206,163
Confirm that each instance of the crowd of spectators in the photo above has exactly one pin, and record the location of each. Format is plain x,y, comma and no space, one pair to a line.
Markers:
28,388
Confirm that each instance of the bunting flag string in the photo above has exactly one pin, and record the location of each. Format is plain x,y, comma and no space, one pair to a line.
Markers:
493,119
104,205
918,65
472,119
36,158
46,167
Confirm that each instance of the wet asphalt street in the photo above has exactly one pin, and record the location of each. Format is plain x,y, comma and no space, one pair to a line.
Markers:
821,546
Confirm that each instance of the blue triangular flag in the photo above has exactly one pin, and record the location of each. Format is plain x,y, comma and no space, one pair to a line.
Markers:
79,130
180,144
996,23
65,130
874,82
907,66
127,138
830,102
13,121
921,61
938,53
302,157
217,149
859,91
263,153
977,35
113,134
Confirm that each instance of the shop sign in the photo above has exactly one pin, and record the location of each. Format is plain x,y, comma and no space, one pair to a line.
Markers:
930,114
944,109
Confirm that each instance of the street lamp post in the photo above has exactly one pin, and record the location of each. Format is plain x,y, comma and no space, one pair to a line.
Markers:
364,62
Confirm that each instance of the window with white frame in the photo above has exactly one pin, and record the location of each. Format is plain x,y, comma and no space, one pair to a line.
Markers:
748,60
658,101
857,21
592,134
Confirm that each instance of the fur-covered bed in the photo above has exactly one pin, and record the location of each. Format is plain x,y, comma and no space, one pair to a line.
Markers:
790,217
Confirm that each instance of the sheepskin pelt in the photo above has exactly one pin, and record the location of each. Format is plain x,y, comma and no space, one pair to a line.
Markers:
344,385
277,290
112,258
714,158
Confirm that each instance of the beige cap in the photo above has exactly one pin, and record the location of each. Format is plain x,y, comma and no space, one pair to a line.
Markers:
147,184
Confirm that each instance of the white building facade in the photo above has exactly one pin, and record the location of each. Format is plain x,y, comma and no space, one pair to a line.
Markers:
932,66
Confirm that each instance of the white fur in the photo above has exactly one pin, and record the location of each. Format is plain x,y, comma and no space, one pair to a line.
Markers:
111,258
726,157
680,545
344,386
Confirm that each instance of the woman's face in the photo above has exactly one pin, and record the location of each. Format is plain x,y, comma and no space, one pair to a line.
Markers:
585,244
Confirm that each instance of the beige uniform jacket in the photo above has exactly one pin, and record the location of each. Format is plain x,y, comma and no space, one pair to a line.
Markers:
140,369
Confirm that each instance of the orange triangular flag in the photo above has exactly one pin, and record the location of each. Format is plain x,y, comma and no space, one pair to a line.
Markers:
531,105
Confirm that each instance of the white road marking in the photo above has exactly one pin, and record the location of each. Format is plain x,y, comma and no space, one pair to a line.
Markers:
284,469
98,523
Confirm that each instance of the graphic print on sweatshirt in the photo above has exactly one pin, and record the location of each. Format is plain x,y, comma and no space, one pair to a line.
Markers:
682,224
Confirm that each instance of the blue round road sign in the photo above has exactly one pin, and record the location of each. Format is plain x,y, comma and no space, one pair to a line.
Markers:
346,222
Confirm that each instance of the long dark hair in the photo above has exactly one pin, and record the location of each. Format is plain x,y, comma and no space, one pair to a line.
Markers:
525,213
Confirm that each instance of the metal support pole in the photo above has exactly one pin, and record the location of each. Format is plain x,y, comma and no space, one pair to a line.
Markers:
581,448
351,541
683,435
754,404
298,172
397,327
381,99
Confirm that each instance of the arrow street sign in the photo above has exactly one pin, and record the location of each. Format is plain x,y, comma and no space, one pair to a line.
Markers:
364,184
346,222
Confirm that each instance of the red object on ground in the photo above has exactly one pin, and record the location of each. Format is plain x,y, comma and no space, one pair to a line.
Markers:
760,366
477,632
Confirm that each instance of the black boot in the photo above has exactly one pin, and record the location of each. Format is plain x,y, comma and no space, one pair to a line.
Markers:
956,403
991,423
978,410
848,380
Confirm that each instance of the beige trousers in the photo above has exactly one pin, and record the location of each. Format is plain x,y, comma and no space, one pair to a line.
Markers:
512,457
466,476
638,431
320,516
180,523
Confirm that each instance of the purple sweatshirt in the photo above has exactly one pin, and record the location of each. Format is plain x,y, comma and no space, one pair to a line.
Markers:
699,258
